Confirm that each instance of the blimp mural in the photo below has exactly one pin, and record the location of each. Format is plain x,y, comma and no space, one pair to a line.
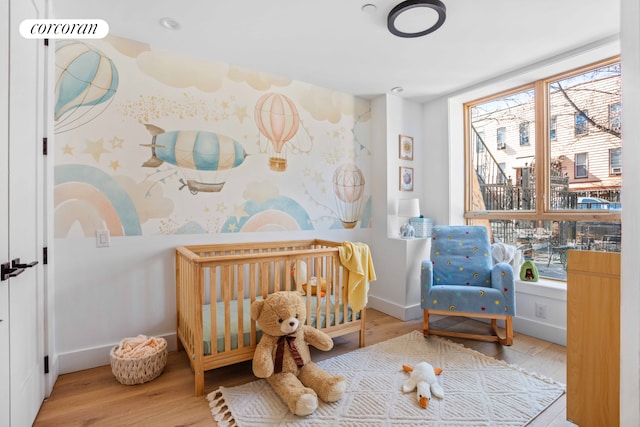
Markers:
85,80
204,158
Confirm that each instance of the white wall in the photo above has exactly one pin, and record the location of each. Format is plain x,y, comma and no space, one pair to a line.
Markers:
397,261
630,293
106,294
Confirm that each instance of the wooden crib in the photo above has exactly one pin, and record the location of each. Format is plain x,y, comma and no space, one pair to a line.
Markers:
216,284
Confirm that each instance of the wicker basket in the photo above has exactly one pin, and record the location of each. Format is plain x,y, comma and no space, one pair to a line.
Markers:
139,370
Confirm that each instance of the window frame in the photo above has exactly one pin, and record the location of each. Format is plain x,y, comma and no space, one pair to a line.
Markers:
581,164
542,210
583,125
619,164
553,127
500,142
615,115
523,133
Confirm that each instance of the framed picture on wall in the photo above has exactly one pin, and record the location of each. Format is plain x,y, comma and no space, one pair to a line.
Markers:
406,178
406,147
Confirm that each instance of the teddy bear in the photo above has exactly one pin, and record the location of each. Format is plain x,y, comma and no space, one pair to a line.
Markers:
423,378
282,355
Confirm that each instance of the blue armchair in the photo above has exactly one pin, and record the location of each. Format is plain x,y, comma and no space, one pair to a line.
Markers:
461,279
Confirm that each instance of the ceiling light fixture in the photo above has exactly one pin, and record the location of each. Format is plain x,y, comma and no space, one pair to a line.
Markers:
170,23
416,18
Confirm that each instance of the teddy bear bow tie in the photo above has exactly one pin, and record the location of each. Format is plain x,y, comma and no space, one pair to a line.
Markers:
280,353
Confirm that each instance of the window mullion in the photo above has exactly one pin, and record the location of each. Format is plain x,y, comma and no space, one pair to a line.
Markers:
542,147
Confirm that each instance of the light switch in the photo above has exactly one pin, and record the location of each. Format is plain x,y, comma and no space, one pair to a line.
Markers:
103,239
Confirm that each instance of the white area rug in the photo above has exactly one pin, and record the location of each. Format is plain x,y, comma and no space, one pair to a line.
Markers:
479,391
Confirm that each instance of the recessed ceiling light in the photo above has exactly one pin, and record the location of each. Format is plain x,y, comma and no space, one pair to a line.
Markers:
170,24
415,18
369,8
397,89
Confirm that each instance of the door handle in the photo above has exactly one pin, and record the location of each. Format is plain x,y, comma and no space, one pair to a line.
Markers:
6,272
16,264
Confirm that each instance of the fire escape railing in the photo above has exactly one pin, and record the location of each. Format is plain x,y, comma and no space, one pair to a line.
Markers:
495,186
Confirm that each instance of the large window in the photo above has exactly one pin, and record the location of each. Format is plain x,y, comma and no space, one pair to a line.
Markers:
557,186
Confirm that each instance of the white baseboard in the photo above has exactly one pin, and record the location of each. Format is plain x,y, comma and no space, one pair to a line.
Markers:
97,356
543,331
393,309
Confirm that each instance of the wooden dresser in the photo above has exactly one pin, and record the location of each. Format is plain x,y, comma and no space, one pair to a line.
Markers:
593,338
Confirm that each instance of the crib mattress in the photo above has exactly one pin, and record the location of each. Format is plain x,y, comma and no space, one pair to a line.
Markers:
246,328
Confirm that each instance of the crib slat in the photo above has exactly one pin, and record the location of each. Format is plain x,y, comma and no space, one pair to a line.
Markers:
252,296
240,300
227,283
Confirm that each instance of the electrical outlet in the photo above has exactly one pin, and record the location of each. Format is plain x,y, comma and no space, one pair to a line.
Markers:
103,239
541,311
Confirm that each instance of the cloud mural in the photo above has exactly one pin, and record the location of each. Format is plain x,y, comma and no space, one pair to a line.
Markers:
181,72
325,104
127,47
149,202
260,191
185,148
257,80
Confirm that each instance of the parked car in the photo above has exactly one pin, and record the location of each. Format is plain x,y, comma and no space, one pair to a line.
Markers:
592,203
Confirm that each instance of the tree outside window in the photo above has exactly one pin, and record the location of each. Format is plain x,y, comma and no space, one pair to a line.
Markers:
614,116
580,120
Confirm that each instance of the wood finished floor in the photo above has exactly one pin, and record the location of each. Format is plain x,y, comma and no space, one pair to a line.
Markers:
94,398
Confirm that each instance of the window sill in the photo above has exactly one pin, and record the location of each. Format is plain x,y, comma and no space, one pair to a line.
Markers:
554,289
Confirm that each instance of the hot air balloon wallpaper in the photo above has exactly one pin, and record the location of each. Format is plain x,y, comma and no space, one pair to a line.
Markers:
85,80
204,158
348,187
277,119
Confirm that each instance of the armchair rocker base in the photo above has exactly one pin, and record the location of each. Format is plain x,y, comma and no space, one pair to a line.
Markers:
494,337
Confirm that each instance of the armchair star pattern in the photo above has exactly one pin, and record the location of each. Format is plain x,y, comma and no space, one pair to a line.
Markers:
460,279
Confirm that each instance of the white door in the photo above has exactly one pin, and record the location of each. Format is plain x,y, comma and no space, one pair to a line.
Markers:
25,216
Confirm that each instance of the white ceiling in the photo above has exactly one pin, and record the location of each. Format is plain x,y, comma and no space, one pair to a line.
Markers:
334,44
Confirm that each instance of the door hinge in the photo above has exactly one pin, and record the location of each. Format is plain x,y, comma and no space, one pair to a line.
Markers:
45,255
46,42
45,147
46,364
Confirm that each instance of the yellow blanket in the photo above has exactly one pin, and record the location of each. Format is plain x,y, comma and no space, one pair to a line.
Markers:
356,257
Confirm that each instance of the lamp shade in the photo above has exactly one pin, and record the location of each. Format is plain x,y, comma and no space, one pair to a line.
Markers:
409,208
